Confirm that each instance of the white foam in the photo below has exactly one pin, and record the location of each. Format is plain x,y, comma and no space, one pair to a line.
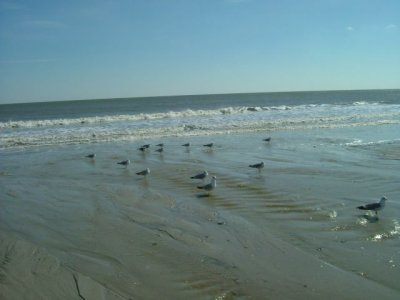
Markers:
194,122
123,118
361,143
365,103
358,108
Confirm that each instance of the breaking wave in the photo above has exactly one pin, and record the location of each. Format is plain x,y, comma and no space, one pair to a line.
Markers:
194,122
124,118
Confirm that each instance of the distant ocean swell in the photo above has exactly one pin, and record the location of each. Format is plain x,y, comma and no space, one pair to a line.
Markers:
194,122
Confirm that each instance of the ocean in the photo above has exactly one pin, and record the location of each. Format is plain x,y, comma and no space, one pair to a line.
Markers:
284,231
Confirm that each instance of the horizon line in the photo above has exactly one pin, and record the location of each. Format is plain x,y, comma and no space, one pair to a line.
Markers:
193,95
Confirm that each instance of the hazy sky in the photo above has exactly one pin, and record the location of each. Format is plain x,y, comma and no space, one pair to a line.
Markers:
82,49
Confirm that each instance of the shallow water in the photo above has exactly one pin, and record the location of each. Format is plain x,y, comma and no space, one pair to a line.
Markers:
141,236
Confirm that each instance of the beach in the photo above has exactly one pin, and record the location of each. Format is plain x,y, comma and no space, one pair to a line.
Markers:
74,227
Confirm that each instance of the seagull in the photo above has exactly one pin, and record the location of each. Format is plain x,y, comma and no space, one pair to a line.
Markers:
209,145
144,172
145,146
186,145
374,206
258,166
268,139
91,155
143,149
124,163
200,175
160,145
210,186
161,150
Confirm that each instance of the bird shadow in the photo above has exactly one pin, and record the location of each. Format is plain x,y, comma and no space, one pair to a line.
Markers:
143,181
209,151
143,154
369,218
91,162
204,195
257,176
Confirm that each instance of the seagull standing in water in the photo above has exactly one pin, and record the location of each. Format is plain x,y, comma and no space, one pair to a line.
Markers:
258,166
210,145
143,149
144,172
186,145
268,139
160,150
125,163
210,186
374,206
202,175
92,155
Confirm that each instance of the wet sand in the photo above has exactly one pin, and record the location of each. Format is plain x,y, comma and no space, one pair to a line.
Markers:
148,259
74,228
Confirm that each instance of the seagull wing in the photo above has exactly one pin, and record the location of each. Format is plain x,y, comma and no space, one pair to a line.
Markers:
371,206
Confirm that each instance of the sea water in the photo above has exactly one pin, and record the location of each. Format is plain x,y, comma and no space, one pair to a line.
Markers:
81,122
329,153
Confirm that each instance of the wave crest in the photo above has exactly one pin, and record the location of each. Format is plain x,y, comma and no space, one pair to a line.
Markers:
124,118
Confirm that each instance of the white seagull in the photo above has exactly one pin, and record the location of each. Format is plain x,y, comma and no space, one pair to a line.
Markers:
374,206
200,175
144,172
210,186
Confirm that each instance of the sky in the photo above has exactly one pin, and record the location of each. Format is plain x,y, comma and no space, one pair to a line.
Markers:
54,50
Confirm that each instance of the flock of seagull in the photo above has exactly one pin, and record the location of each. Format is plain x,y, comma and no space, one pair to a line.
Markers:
375,207
202,176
